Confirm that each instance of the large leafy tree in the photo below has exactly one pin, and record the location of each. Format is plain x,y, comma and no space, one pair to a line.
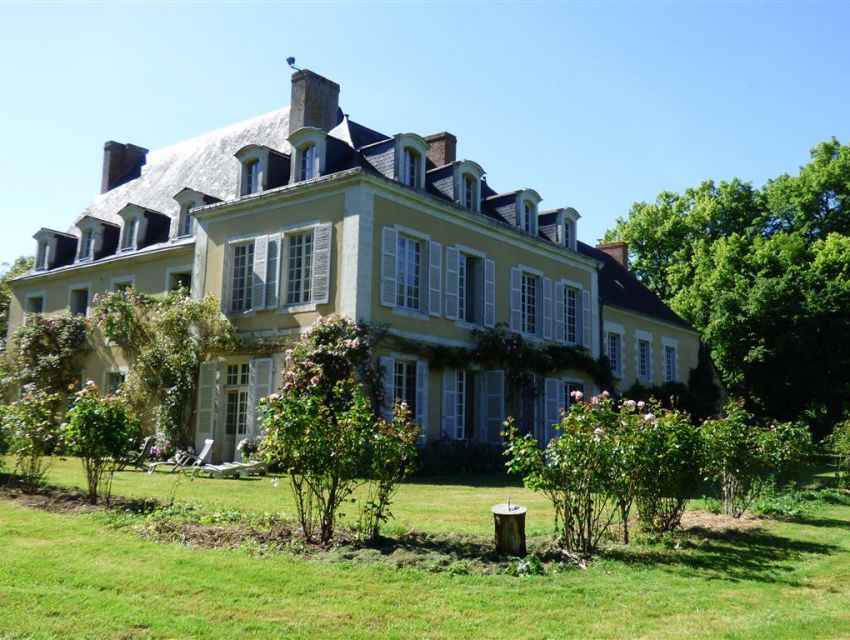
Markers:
19,266
764,274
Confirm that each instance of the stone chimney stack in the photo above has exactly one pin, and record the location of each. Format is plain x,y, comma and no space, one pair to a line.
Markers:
617,250
314,102
121,163
442,148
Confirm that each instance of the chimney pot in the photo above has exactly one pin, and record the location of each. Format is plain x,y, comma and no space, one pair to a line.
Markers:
442,148
617,250
314,102
121,163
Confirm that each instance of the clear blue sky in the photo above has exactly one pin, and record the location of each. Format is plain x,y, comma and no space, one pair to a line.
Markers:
595,105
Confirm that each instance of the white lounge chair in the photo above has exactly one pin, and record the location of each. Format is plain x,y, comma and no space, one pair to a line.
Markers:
215,470
187,460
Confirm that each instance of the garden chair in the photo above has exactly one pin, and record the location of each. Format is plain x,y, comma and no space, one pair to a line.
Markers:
187,460
139,458
223,470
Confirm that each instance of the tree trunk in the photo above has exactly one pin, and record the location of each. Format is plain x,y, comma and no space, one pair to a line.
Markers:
510,530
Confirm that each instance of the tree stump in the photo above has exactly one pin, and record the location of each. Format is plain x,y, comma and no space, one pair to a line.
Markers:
510,528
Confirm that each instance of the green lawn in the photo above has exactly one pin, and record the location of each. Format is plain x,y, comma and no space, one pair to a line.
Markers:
72,576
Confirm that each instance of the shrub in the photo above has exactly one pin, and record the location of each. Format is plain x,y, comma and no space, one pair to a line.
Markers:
100,430
740,455
574,471
32,427
838,446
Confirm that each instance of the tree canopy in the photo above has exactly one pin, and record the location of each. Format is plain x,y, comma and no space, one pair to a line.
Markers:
21,265
764,274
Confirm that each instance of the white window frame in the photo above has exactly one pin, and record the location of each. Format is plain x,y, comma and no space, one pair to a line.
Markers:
468,173
525,307
248,277
670,343
644,337
85,231
410,142
76,287
42,259
129,233
300,141
306,289
574,286
186,268
528,219
109,371
241,388
612,328
480,296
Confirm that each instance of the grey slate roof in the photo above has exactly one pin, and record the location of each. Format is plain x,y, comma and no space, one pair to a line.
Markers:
619,288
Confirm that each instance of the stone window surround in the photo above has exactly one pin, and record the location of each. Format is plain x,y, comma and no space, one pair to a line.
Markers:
299,141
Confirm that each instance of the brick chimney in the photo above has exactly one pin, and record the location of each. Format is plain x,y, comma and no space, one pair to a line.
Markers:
617,250
121,163
314,102
442,148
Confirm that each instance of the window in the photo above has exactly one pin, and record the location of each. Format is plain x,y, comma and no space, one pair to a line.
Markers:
529,304
240,292
41,256
35,304
568,234
186,223
114,381
528,218
669,363
86,245
122,285
644,359
408,276
615,353
79,302
299,284
465,400
469,192
308,162
470,281
404,383
129,240
180,281
252,177
236,399
571,389
410,167
571,311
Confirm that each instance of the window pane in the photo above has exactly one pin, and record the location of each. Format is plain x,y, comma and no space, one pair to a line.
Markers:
529,303
243,261
571,315
408,260
300,268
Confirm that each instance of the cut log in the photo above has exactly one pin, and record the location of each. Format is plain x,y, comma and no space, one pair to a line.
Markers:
510,529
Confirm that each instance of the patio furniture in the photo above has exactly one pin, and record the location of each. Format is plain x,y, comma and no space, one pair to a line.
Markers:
138,459
187,460
215,470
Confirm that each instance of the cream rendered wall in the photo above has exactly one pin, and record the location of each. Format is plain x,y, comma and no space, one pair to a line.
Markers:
687,347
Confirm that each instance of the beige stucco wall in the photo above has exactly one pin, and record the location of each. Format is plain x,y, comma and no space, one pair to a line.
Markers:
687,347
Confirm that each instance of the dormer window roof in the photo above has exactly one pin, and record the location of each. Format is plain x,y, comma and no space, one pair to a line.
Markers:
98,238
309,153
262,168
53,249
142,227
410,153
189,199
527,201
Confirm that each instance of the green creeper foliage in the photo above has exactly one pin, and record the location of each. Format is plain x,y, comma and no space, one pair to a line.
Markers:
20,266
32,427
100,430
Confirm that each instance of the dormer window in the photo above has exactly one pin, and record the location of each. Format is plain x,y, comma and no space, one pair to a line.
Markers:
309,146
41,256
410,168
570,232
86,245
188,199
185,222
54,249
309,156
526,211
128,241
470,188
252,177
529,217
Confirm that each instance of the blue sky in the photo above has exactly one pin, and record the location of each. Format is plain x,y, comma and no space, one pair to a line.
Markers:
595,105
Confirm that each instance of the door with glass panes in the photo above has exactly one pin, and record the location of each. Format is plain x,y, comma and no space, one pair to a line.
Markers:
235,409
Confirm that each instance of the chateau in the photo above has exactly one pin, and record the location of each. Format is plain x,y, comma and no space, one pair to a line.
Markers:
301,213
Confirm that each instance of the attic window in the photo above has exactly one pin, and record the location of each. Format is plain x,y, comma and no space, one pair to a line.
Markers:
470,192
252,177
529,218
129,240
185,221
410,167
568,234
309,157
41,256
86,245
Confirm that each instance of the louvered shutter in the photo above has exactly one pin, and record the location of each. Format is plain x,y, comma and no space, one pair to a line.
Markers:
452,257
585,317
559,312
422,398
516,300
258,287
547,308
539,307
449,422
435,275
260,372
207,382
273,272
489,293
322,236
389,246
494,388
388,366
552,407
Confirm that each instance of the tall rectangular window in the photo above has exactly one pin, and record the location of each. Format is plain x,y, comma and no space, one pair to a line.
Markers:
669,363
528,217
643,359
469,192
409,273
404,383
79,301
129,234
186,221
465,403
41,257
87,244
571,311
299,278
252,177
308,162
615,353
410,168
236,399
242,281
529,303
470,290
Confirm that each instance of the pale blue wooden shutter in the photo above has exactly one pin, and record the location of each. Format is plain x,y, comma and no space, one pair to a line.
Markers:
449,421
435,276
258,287
489,293
422,397
389,242
260,372
494,389
585,317
547,308
206,407
516,300
452,257
322,237
559,312
273,272
553,391
388,366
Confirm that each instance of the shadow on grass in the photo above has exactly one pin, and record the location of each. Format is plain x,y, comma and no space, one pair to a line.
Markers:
755,555
813,521
474,480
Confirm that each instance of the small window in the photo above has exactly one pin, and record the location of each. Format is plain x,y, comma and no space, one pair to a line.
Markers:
529,303
571,311
669,363
409,273
86,245
469,192
242,277
470,289
643,359
404,383
568,234
181,280
252,177
79,301
410,167
615,353
309,156
186,222
41,256
528,218
34,305
121,285
114,381
299,274
129,239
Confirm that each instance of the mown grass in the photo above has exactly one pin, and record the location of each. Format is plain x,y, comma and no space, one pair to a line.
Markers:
64,575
